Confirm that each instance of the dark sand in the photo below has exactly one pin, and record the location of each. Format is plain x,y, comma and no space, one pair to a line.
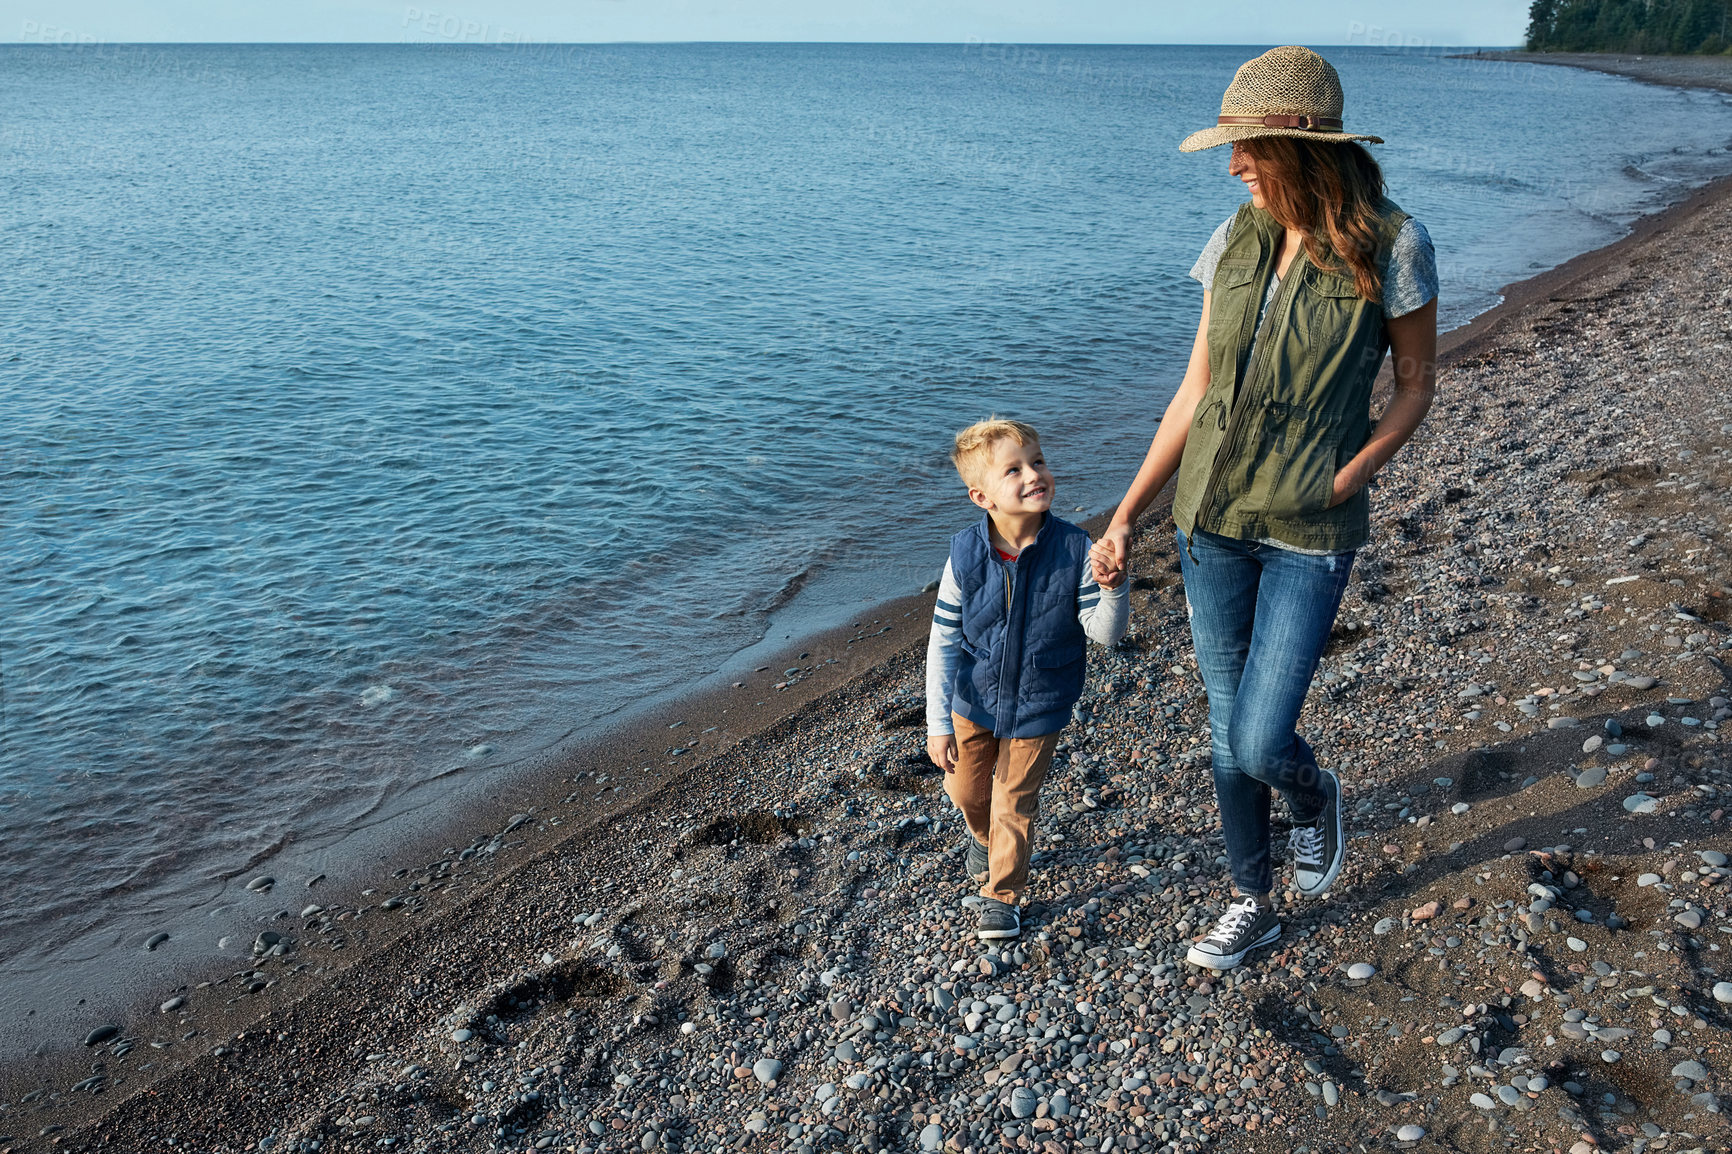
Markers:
787,889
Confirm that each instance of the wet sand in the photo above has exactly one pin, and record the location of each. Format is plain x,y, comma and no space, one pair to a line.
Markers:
762,942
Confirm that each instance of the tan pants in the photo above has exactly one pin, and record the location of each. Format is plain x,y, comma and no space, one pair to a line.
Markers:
996,784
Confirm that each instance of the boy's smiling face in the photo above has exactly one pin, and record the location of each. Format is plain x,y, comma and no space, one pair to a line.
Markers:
1016,482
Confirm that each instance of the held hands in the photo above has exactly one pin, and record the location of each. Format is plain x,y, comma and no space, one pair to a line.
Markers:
941,748
1109,558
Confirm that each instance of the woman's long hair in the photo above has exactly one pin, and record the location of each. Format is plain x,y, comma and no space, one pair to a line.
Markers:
1331,193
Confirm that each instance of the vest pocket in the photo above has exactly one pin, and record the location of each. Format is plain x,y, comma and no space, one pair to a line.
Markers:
1310,445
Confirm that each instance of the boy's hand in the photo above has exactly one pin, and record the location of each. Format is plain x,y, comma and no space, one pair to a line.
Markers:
941,748
1108,567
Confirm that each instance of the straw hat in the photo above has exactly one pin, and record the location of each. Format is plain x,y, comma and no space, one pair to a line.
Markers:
1288,91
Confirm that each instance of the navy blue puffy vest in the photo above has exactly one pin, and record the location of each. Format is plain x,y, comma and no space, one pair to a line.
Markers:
1022,661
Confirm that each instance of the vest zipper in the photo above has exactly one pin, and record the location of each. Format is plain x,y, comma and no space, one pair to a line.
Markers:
1004,650
1241,402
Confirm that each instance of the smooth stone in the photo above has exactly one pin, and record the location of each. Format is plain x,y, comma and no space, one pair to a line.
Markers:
172,1004
1712,857
1589,778
1331,1094
1508,1095
1359,971
1459,808
932,1138
1609,1056
154,941
1593,743
1562,722
1514,844
1383,926
1689,919
1452,1035
766,1070
462,1036
1641,681
1617,749
1483,1102
1646,880
1723,992
101,1034
1533,988
1691,1069
1613,727
261,883
1655,721
1576,944
1410,1133
1641,803
1023,1102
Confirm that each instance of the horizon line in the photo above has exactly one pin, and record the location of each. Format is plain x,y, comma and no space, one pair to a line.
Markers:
971,42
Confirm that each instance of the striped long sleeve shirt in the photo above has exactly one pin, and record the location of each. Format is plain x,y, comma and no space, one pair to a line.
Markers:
1103,614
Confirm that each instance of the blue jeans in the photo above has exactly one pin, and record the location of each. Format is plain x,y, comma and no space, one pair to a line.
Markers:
1260,617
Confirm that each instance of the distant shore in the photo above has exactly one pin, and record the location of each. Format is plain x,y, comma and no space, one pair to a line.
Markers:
790,897
1674,71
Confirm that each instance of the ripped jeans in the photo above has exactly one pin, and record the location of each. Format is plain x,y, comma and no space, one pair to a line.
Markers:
1260,617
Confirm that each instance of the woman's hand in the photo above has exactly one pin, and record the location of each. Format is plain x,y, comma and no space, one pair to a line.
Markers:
941,748
1348,481
1109,558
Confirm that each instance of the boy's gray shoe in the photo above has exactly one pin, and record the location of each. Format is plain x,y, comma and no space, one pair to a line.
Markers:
974,860
998,920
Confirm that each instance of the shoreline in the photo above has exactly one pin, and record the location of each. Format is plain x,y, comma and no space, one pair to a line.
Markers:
1714,72
866,669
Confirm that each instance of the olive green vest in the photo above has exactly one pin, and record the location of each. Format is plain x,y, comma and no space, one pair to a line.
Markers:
1272,430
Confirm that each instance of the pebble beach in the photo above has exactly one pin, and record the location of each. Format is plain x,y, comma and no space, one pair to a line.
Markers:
1526,698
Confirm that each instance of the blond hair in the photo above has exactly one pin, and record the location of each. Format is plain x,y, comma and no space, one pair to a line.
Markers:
973,451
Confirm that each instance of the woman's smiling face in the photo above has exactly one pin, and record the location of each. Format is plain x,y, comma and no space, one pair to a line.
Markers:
1242,166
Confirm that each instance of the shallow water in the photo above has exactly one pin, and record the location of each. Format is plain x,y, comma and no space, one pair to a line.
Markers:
379,416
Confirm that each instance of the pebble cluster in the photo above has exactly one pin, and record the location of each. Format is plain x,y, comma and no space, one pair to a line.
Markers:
1525,697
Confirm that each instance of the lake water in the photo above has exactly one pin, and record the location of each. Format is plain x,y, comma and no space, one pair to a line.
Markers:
377,417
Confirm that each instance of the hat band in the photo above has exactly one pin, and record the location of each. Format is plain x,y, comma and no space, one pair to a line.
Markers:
1277,120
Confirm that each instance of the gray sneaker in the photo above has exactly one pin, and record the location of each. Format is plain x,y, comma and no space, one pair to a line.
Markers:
998,920
1245,926
974,861
1318,849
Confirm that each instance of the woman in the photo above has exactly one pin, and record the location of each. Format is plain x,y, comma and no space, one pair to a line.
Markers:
1270,434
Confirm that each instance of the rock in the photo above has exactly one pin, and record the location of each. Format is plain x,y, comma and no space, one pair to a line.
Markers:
172,1004
1459,808
1690,919
1712,857
1331,1094
766,1070
1562,722
1483,1102
1359,971
1508,1095
932,1138
1613,727
1023,1102
1514,844
1654,721
261,883
1593,743
1649,879
101,1034
1723,992
1641,803
1426,912
154,941
1384,925
1452,1035
462,1036
1576,944
1533,988
1591,777
1410,1133
1691,1069
1643,681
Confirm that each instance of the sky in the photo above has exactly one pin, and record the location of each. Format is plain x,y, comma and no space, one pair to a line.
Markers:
1320,22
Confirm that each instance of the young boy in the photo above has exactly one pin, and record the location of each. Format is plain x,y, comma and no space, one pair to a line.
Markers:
1005,663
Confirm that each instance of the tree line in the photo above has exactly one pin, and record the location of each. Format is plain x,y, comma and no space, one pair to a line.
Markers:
1646,26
